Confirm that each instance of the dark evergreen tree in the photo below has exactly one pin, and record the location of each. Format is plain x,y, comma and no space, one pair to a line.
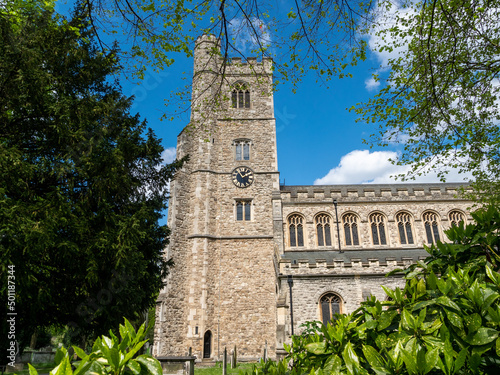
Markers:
81,181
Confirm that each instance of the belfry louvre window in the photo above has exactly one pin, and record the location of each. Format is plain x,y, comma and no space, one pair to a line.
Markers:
378,229
240,96
242,149
296,229
323,230
350,222
431,227
455,218
403,220
243,210
330,304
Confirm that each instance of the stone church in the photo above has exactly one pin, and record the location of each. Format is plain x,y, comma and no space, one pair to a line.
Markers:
255,259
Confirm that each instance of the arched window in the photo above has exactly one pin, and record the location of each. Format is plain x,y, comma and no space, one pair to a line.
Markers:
403,220
242,149
455,218
330,304
350,222
323,230
296,229
378,229
243,210
240,97
431,227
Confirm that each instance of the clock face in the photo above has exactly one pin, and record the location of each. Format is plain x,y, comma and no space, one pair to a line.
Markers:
242,177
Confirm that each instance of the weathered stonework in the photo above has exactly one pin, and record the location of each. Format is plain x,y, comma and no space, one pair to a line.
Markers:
229,285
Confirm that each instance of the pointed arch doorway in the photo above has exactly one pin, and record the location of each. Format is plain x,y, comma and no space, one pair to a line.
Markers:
207,344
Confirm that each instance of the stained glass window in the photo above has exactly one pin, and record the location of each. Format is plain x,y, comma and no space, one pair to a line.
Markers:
350,222
323,230
296,228
431,227
330,305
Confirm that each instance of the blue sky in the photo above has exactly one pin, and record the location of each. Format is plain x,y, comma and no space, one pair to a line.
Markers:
319,141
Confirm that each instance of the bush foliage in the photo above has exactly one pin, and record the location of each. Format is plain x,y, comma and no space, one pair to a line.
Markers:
110,355
446,319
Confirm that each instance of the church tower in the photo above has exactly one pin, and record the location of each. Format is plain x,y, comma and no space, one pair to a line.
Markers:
221,291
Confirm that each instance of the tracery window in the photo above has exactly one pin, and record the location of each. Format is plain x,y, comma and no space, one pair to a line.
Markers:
242,149
323,230
455,218
431,227
378,229
350,222
330,304
403,220
240,96
243,210
296,230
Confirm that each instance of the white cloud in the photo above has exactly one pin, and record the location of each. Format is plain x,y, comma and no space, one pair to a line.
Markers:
385,19
371,84
168,155
365,167
249,35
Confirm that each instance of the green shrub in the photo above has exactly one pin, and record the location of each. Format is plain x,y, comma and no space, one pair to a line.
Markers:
109,355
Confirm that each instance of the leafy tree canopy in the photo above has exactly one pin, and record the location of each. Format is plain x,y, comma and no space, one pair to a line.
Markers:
305,35
82,184
441,95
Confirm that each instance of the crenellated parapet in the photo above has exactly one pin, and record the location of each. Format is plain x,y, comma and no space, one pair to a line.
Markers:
371,193
249,66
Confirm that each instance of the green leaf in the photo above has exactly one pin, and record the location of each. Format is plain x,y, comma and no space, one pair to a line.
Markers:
473,322
410,361
407,320
449,355
386,318
333,365
431,359
130,330
113,357
482,336
79,352
372,356
454,319
64,368
316,347
494,276
32,370
150,364
61,353
446,301
460,361
134,367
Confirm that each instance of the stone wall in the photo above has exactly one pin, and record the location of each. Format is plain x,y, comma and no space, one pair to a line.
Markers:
352,289
223,277
364,200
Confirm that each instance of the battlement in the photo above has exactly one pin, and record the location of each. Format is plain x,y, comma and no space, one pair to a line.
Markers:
207,58
373,192
343,267
205,38
238,66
